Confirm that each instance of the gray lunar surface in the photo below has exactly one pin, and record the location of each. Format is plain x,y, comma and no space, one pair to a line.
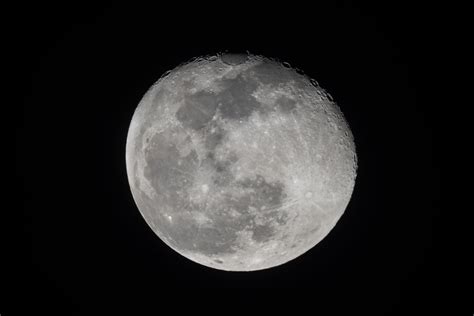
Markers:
238,162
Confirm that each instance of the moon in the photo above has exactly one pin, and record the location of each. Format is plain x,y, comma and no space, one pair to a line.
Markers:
239,162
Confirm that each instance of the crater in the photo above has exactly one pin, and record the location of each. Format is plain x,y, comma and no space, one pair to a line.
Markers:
234,59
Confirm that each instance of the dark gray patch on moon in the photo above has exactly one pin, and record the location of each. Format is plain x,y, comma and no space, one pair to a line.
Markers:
262,233
285,104
214,139
268,195
199,108
234,59
272,73
236,100
265,198
262,198
222,175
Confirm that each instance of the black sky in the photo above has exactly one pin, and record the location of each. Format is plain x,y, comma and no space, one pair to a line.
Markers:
86,68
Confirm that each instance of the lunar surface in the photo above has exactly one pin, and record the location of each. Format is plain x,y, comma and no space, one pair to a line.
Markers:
239,162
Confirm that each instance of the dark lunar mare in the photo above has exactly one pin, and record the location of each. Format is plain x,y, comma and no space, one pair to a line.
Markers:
234,59
198,110
270,72
235,101
285,105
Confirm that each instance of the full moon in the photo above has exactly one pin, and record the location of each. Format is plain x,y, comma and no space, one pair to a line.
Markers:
240,162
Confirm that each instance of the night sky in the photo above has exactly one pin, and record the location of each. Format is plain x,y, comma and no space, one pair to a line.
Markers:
86,246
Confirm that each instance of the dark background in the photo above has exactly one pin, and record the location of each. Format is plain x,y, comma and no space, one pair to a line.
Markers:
86,246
